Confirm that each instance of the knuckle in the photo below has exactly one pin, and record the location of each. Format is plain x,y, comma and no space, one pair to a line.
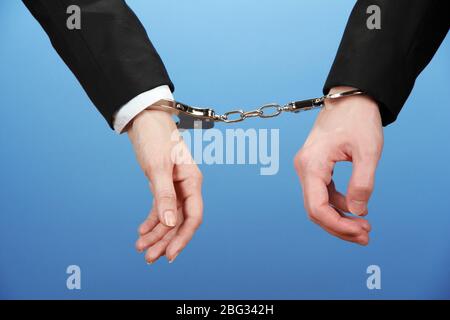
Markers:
167,195
362,188
301,159
193,183
198,221
312,216
371,151
312,162
312,210
197,177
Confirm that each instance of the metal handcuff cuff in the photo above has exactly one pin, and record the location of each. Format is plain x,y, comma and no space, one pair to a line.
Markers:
204,118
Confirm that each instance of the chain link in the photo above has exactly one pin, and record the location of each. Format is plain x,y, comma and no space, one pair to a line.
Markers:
265,111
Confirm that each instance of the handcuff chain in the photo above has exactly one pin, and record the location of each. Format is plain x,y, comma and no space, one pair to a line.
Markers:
189,114
272,110
266,111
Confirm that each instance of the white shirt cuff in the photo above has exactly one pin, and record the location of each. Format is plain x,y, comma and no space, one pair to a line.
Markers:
138,104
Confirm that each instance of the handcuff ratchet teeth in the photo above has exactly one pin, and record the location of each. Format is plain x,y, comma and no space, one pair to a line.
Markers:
204,118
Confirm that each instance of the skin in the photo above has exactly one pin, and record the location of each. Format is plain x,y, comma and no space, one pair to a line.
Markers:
347,129
175,182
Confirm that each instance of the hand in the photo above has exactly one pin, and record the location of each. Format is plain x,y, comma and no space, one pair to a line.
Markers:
175,182
347,129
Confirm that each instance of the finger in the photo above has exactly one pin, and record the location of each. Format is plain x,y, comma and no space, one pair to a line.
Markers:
362,239
363,223
153,220
149,223
193,211
149,239
315,176
337,199
361,184
319,210
165,196
159,248
157,233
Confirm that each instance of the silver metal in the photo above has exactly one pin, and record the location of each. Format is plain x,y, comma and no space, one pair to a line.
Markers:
252,113
343,94
226,116
188,114
276,110
175,107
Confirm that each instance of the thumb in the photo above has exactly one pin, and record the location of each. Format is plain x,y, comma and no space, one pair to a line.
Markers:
165,197
361,185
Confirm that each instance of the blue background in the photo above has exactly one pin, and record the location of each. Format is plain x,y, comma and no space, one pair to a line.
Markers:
71,191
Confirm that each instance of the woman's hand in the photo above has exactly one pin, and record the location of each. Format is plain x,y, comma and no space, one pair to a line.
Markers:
175,182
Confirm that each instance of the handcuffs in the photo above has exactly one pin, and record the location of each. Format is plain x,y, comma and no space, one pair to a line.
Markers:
204,118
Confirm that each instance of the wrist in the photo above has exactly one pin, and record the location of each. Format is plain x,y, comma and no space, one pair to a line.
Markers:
152,119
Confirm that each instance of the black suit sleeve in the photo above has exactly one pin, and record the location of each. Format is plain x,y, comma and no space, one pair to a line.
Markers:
111,55
386,62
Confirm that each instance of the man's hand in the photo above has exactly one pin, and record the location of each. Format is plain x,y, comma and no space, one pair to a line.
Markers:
175,182
347,129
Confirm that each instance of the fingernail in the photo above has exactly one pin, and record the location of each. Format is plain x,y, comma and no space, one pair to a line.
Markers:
174,257
149,262
358,207
170,218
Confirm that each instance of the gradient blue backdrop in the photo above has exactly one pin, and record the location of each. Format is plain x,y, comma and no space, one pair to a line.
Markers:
72,193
